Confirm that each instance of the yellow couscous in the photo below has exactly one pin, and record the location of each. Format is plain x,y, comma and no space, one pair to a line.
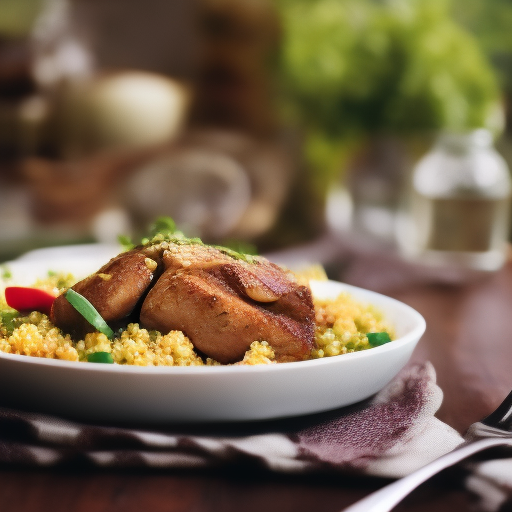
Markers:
342,325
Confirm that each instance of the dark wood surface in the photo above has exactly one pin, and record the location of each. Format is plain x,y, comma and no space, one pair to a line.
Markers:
469,341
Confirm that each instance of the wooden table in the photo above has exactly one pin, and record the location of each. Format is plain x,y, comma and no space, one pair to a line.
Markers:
469,341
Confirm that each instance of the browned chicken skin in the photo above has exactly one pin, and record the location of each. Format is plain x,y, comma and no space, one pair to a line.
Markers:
114,291
221,303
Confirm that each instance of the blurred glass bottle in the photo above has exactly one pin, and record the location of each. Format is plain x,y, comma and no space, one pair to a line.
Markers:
458,209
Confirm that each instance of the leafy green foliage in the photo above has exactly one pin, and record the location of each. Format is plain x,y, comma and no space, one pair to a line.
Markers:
352,68
491,23
366,65
17,16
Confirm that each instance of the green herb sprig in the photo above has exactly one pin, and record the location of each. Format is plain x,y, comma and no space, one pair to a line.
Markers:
164,230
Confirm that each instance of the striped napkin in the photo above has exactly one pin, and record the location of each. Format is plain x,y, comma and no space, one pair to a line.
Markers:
390,435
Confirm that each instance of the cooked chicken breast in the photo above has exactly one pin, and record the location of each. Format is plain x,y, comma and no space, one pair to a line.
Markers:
115,290
222,303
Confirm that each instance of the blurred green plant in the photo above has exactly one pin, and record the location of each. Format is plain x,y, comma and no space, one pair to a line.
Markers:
354,68
17,16
491,23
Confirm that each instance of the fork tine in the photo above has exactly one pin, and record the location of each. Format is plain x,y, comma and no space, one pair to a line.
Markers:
502,416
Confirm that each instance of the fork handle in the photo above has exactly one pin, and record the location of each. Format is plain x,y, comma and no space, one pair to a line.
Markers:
386,498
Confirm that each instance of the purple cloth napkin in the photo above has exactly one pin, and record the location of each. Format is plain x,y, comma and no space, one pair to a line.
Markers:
390,435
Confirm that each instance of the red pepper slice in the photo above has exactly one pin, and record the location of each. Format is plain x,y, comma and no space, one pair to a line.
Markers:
29,299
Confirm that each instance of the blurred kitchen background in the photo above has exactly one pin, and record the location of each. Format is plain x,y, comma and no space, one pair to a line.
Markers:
274,123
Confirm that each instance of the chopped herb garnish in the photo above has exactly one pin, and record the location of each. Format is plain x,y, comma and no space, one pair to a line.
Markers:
163,226
241,247
88,311
164,230
100,357
6,273
8,320
126,242
375,339
249,258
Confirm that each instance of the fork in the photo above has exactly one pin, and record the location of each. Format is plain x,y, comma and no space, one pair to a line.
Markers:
494,430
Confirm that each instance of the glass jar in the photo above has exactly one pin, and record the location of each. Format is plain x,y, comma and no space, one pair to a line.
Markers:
458,208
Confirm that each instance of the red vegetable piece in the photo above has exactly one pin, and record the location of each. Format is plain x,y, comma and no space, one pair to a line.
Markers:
29,299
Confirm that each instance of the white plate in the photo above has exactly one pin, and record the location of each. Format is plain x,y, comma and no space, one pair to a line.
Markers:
156,395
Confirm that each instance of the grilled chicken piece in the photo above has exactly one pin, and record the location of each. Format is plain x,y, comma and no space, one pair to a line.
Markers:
224,304
220,302
115,290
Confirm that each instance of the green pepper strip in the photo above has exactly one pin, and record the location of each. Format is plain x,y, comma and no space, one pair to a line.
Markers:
378,338
88,311
100,357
